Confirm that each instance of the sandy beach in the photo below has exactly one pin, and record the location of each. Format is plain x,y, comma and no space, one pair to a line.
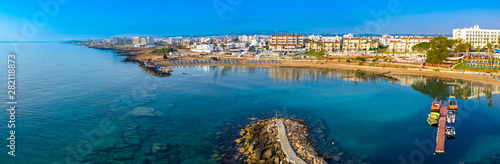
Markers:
140,54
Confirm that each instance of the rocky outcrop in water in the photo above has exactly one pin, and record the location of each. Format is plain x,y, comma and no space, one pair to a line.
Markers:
227,149
260,142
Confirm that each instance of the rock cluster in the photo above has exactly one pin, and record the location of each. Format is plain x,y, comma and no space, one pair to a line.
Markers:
260,142
298,134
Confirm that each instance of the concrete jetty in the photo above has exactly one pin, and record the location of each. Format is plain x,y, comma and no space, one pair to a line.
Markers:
285,144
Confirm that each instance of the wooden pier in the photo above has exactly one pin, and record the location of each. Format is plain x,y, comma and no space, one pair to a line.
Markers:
441,134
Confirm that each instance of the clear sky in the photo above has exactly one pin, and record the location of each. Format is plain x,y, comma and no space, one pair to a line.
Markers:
79,19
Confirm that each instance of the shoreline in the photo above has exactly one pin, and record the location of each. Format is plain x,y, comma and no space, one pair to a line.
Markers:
138,54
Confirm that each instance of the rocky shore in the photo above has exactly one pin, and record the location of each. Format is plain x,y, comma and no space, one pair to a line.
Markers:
260,142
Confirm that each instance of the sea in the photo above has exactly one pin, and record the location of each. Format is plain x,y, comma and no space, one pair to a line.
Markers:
82,105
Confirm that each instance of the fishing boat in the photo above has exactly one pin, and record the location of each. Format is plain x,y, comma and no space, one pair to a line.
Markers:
436,105
166,69
452,103
433,118
450,117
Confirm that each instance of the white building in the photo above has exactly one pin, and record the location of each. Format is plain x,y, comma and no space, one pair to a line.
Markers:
315,38
142,41
171,40
348,36
248,38
204,48
477,36
331,38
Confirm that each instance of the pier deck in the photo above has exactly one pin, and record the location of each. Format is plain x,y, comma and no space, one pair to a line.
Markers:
441,134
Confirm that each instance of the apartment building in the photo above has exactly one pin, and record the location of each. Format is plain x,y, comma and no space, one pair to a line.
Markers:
358,44
328,46
286,42
248,38
405,44
477,36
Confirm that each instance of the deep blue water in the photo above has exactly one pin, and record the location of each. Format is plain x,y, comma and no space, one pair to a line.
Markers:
64,91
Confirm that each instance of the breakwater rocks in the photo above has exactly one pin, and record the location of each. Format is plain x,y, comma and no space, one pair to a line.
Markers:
152,70
260,142
226,149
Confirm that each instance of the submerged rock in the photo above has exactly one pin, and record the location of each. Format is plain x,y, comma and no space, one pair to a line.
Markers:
145,111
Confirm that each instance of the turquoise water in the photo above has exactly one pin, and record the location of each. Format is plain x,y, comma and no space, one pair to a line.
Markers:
65,91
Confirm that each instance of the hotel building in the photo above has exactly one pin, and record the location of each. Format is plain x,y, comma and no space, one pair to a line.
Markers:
358,44
405,44
286,42
477,36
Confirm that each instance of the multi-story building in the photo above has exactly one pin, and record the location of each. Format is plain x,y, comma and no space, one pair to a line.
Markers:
121,41
358,44
286,42
324,46
405,44
476,36
248,38
171,40
140,41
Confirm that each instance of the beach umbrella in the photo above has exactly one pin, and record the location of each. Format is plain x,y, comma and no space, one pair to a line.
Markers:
280,62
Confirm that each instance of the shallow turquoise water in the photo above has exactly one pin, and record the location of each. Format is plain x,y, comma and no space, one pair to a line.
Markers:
65,91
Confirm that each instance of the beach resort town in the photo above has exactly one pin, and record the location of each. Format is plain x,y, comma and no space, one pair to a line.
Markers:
402,48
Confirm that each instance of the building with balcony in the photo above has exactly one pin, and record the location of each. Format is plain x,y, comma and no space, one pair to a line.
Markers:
405,44
358,44
286,42
324,46
477,36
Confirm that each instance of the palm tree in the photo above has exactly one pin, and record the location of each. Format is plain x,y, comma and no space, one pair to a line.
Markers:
479,50
490,57
467,47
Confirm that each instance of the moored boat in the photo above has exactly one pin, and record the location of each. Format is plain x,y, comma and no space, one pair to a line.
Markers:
450,117
450,131
433,118
452,103
436,105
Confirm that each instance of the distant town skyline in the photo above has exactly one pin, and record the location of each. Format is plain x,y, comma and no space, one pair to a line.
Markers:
55,20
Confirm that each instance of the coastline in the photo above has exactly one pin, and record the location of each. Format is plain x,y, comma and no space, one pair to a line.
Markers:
139,54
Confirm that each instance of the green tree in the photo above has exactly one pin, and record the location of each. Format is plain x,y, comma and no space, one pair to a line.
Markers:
439,50
421,47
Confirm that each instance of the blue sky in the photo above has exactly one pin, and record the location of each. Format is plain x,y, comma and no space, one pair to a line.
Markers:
77,19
